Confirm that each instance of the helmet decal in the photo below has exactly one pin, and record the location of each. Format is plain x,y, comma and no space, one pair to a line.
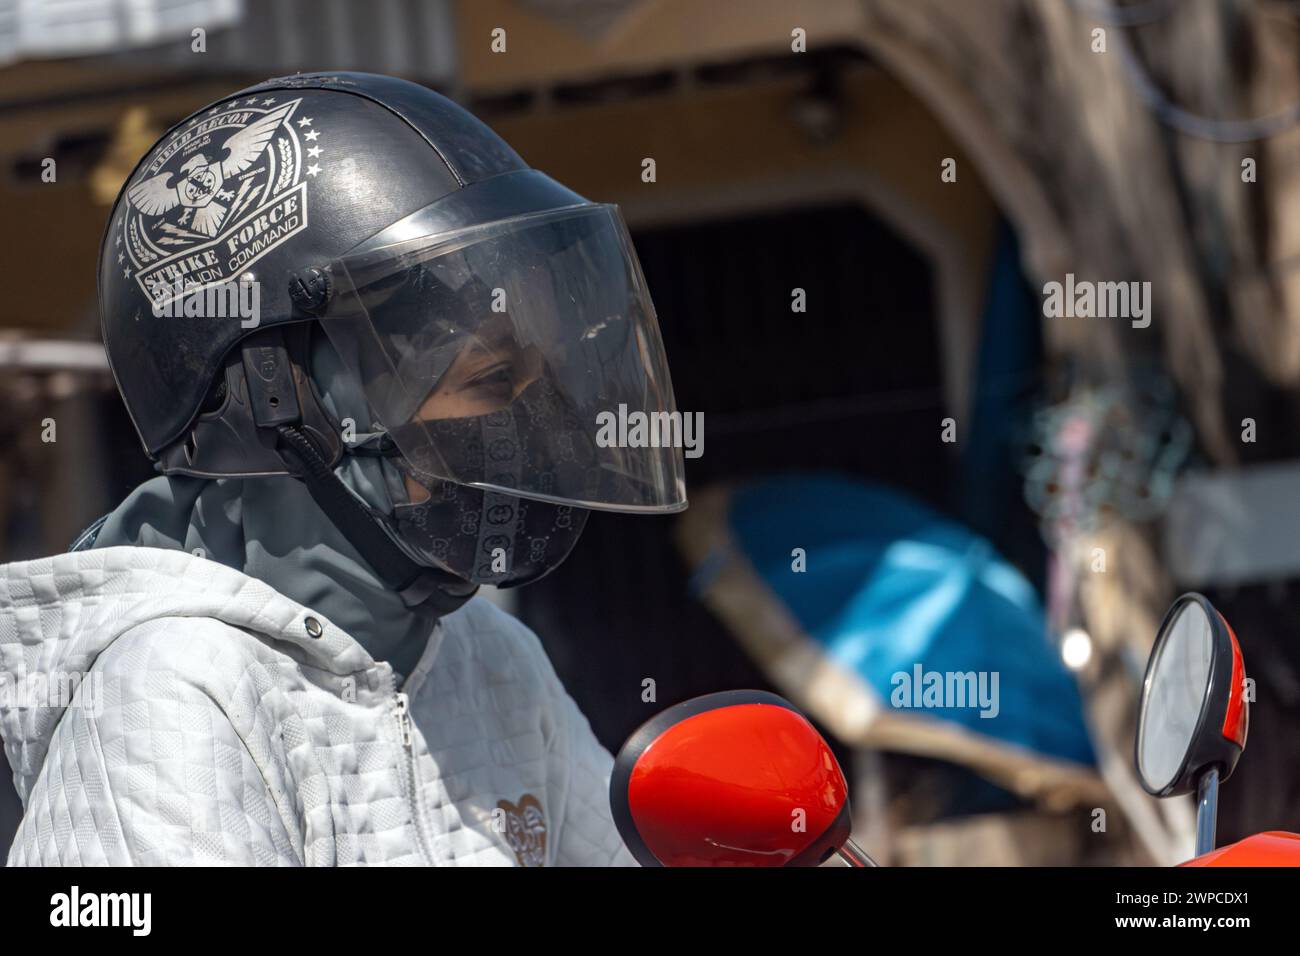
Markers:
221,192
233,206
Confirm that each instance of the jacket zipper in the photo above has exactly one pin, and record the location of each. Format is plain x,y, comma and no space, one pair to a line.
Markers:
402,712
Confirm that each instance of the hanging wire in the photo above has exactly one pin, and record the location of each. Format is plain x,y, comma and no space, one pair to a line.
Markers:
1168,112
1131,15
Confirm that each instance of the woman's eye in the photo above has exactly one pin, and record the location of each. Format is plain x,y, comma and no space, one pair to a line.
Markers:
499,378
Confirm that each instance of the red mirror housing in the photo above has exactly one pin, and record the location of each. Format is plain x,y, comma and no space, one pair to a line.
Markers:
739,778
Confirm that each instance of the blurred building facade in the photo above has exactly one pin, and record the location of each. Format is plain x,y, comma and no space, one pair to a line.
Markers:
795,145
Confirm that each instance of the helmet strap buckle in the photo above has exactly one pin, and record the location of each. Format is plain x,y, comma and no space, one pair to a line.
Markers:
269,374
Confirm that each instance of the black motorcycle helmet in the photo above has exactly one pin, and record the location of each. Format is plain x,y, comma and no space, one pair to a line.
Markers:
497,322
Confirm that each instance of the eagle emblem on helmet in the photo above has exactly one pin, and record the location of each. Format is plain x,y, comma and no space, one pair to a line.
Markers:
224,190
196,184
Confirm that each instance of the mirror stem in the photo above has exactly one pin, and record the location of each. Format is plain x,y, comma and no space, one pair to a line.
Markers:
854,855
1207,810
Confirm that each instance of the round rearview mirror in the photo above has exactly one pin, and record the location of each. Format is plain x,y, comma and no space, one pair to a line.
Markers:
1192,716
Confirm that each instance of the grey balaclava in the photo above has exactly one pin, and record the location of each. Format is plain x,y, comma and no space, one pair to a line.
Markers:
272,530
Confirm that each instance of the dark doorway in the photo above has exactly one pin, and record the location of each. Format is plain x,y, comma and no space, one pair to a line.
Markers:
847,385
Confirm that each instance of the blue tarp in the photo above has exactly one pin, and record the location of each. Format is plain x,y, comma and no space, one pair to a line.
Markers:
891,584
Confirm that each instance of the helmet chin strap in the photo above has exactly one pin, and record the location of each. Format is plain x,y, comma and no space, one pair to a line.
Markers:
416,583
275,404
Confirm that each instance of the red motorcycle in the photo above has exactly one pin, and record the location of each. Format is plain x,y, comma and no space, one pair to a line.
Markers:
742,778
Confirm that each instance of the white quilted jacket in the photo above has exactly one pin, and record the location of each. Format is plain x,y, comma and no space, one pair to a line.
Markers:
209,726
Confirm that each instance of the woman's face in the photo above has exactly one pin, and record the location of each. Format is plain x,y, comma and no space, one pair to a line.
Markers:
487,375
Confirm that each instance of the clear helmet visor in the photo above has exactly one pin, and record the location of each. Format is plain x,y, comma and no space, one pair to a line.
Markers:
511,356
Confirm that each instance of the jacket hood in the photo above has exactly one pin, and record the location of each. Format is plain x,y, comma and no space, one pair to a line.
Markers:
58,614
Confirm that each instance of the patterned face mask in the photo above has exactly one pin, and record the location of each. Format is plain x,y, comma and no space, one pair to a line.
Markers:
491,537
